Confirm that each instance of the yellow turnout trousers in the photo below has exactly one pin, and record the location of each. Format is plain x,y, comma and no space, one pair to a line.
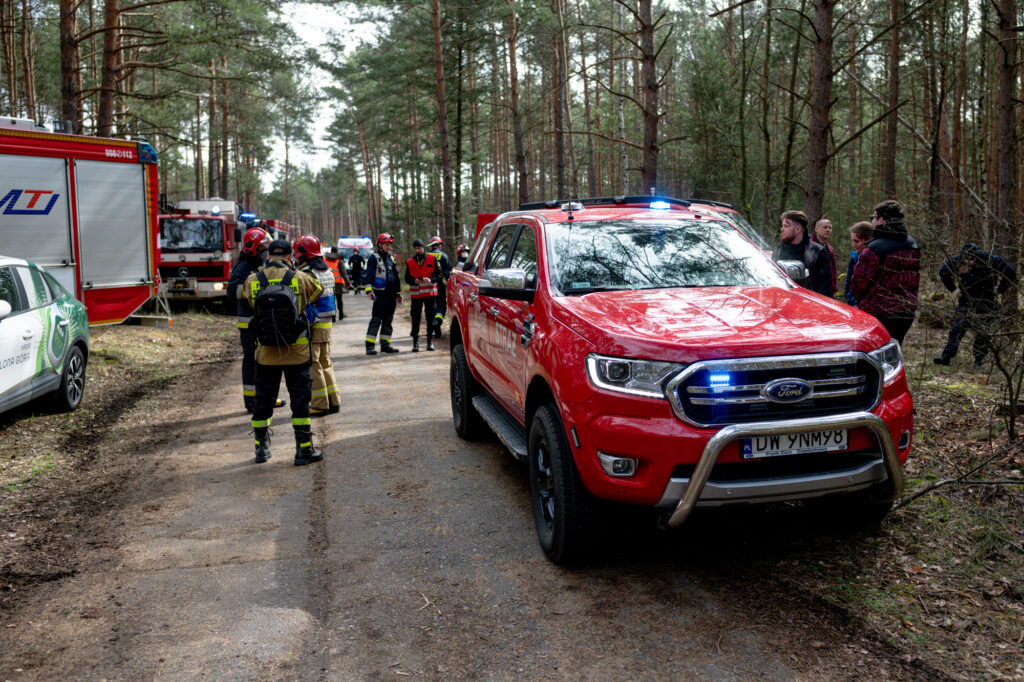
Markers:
325,391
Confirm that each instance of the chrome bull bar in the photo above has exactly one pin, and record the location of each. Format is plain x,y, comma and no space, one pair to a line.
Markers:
728,434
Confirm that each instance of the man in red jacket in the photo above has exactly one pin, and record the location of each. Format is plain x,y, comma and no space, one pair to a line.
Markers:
422,274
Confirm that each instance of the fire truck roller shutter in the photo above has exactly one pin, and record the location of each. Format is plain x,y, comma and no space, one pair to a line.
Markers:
34,219
112,223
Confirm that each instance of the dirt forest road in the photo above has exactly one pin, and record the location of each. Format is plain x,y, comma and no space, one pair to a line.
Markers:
406,554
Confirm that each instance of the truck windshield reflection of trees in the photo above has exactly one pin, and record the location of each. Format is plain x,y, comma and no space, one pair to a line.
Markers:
190,234
626,254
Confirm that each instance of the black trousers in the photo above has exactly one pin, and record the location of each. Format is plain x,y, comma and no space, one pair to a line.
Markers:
381,317
897,326
440,306
357,277
418,304
339,289
979,319
268,382
248,342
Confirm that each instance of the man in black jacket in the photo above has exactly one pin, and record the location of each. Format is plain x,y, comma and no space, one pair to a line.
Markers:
795,245
385,290
978,275
355,262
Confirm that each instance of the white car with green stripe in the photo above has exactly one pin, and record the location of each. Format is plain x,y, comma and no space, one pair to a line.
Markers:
44,338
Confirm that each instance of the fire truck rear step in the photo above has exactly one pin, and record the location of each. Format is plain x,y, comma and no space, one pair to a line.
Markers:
509,431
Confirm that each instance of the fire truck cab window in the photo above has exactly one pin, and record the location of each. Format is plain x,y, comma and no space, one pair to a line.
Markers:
9,290
191,234
524,256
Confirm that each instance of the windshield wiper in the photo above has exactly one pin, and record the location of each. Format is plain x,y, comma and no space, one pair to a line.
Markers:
590,290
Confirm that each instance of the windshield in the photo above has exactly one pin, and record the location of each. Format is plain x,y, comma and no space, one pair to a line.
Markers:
191,234
744,226
645,254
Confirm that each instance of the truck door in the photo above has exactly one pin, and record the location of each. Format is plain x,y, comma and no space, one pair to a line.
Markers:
35,219
112,224
511,358
483,309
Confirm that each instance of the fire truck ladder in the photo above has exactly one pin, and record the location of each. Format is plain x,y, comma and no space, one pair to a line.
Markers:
156,312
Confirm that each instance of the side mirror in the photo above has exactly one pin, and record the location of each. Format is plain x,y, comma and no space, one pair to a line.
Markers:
506,283
5,309
795,269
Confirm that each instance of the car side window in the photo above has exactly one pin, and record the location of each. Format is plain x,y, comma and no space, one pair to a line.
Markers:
473,261
9,290
36,291
498,255
56,290
524,256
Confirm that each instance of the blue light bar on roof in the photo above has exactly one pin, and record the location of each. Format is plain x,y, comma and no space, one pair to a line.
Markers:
659,205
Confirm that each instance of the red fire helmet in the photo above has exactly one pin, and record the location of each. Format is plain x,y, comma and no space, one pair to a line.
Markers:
385,238
307,246
255,240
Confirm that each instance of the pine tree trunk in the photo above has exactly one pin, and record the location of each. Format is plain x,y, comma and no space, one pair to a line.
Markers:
28,61
649,78
889,157
1006,164
517,122
442,124
109,72
213,182
820,122
69,92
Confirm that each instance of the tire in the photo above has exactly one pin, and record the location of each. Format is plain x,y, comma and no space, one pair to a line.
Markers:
469,425
561,508
69,395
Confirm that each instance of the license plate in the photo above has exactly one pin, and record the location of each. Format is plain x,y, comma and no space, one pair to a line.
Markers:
794,443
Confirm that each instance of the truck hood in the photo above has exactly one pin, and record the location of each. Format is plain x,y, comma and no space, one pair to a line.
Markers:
686,325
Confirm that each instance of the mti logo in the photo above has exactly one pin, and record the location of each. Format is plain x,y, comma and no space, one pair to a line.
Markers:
14,203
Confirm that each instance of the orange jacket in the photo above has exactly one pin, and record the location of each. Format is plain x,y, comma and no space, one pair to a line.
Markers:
332,263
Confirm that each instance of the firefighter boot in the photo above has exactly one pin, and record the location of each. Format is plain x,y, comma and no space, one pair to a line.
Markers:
370,350
430,343
262,444
387,348
305,453
416,344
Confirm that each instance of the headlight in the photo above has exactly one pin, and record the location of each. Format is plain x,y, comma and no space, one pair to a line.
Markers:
890,358
636,377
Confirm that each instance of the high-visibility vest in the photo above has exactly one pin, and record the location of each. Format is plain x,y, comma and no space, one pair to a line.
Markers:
419,271
333,265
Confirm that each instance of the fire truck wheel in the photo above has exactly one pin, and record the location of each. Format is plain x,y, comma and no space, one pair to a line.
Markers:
468,422
72,382
561,506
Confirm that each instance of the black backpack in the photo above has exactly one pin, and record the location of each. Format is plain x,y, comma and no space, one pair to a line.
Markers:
277,315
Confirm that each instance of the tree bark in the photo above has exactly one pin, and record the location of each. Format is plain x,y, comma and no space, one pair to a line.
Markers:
28,61
587,120
214,152
1006,151
820,121
649,78
442,124
69,91
889,155
109,71
517,123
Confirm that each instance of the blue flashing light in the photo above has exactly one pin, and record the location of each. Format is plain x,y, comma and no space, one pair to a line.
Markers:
147,154
659,205
719,379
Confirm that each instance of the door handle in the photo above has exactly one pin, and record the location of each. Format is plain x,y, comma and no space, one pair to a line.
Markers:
493,311
473,297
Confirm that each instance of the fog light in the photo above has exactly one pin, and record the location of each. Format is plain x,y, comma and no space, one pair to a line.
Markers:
218,286
619,467
904,440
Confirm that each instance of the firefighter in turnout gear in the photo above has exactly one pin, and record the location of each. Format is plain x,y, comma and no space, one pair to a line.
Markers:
384,289
320,314
422,274
444,266
254,252
278,296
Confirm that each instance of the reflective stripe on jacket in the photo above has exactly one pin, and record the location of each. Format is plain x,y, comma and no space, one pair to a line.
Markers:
416,269
308,290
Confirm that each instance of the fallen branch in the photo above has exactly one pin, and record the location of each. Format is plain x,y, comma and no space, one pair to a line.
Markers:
959,479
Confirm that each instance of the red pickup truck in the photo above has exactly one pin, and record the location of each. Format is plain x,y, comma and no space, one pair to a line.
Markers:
644,350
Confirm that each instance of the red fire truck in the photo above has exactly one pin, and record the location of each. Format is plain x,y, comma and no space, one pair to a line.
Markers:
198,248
278,229
84,209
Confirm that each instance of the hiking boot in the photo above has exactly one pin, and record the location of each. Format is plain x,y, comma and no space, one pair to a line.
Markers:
370,350
430,344
388,348
942,360
416,344
262,439
305,453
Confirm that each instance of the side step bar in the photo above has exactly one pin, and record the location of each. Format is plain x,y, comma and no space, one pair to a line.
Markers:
509,431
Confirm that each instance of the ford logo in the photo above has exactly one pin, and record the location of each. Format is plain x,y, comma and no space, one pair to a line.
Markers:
787,390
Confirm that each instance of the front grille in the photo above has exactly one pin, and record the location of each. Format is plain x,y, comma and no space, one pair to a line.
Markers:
783,467
721,392
206,272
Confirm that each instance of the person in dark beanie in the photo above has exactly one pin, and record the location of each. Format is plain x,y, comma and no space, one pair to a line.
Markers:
422,273
888,271
977,275
796,245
